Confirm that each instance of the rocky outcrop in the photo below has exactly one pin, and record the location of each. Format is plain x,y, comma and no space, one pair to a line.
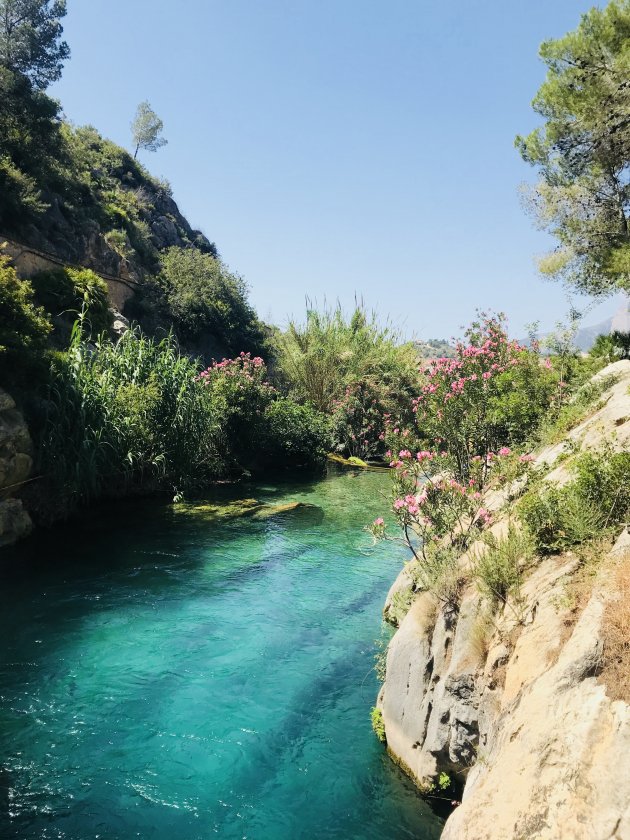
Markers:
16,463
510,702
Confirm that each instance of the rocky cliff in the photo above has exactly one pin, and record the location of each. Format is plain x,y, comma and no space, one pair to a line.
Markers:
518,705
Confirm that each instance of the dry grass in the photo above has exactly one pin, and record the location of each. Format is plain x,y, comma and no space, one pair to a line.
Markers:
615,673
481,635
579,589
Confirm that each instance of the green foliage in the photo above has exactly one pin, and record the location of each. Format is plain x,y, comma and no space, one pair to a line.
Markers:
146,130
31,148
293,435
582,151
444,781
70,291
599,497
124,414
261,429
378,724
30,39
352,369
611,348
498,569
24,328
557,519
490,395
207,301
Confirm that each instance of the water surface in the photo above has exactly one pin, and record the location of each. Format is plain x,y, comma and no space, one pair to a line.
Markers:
166,677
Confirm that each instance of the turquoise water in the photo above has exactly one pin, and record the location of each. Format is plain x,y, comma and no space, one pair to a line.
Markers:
166,677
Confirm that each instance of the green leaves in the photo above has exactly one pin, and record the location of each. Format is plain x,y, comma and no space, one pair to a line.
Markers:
30,39
146,130
582,151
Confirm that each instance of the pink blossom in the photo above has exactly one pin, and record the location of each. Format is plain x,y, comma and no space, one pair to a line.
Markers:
379,521
505,450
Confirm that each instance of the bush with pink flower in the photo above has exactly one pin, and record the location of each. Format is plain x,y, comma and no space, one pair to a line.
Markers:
260,428
490,395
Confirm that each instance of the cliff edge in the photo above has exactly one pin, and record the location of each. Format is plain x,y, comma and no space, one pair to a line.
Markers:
525,705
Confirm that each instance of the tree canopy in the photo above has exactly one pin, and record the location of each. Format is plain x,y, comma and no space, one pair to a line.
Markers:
147,129
582,151
30,39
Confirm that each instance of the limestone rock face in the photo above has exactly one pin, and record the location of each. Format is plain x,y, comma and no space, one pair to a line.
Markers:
556,755
16,463
512,706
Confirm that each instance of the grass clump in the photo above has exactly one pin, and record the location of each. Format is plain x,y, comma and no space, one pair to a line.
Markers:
126,413
598,498
499,568
615,673
378,725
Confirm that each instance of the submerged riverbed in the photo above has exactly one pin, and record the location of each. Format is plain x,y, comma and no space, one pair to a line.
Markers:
164,676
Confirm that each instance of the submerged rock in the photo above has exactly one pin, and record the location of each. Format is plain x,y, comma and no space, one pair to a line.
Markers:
267,511
245,507
227,510
353,461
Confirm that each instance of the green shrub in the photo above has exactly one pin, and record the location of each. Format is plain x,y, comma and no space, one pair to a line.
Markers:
127,413
612,347
350,368
260,428
489,396
205,300
603,480
599,497
24,328
378,725
498,569
294,435
70,291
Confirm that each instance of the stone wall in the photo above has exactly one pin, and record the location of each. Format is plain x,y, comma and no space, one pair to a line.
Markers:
28,261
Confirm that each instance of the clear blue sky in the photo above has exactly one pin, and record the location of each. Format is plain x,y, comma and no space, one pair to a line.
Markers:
337,146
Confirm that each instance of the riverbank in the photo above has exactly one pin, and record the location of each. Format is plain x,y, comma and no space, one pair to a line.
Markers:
521,703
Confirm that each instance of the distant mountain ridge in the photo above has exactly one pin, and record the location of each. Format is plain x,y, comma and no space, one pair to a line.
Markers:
584,338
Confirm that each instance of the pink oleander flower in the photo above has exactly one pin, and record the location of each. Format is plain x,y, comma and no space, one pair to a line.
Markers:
505,450
379,521
398,504
524,459
413,509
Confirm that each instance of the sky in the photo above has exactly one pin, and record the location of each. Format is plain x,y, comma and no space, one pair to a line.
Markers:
340,149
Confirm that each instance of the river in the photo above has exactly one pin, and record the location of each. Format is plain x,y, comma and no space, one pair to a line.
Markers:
165,676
